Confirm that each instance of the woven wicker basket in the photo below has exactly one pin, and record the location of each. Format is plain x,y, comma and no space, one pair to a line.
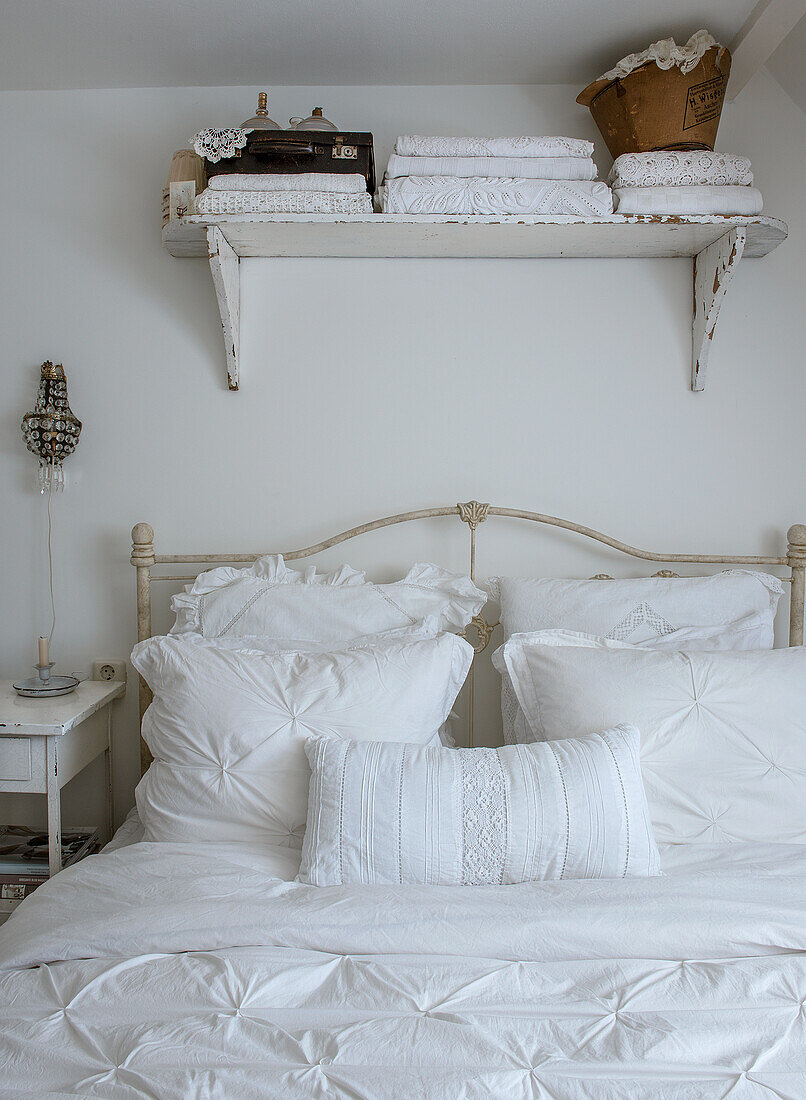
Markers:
186,166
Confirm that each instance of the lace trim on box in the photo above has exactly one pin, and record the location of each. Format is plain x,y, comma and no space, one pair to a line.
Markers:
485,824
217,145
666,53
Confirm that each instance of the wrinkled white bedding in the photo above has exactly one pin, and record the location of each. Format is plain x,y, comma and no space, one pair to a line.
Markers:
160,971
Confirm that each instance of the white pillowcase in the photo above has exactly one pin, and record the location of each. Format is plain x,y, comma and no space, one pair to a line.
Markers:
382,813
288,608
227,726
723,735
730,610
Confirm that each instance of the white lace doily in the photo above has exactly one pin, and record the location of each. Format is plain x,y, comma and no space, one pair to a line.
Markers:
667,53
216,145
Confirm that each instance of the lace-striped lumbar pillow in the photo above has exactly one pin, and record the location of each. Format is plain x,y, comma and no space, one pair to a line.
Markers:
402,813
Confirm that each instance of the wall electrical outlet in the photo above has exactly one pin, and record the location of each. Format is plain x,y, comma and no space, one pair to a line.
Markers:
109,670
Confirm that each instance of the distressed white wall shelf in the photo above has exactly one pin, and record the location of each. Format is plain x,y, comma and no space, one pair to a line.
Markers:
716,245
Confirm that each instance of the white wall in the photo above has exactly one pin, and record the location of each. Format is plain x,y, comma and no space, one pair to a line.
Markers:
367,386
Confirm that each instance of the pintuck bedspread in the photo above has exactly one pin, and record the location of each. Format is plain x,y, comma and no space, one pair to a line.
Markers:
159,971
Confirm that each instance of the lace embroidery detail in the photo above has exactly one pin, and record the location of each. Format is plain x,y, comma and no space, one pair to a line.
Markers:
567,808
216,145
639,615
282,202
239,614
509,709
400,814
494,195
672,168
485,823
624,801
419,145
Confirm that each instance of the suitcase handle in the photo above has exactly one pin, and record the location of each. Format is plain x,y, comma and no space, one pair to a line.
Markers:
265,146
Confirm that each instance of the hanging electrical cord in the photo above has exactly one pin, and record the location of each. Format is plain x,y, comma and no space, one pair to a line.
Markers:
50,563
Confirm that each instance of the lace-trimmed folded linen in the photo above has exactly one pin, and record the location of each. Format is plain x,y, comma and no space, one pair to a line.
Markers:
417,145
282,202
489,195
305,181
545,168
688,200
672,167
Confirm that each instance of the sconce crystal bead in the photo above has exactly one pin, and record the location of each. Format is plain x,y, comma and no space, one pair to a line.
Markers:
51,430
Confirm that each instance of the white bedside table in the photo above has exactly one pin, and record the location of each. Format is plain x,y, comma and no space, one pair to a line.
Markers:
45,742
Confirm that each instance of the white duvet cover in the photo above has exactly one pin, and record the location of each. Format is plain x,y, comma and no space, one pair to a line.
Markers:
158,970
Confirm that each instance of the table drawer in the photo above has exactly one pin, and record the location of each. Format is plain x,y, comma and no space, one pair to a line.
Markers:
15,759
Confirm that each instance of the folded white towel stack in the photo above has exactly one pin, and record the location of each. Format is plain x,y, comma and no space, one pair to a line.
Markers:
504,175
671,181
688,200
306,193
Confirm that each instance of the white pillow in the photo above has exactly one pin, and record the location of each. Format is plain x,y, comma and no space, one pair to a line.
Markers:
467,817
723,735
295,608
227,725
730,610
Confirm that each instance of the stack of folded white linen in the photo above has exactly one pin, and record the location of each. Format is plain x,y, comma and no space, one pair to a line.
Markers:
671,181
504,175
306,193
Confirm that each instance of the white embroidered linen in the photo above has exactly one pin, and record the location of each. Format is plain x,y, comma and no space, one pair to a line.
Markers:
282,202
342,184
734,609
272,601
666,53
227,725
723,751
417,145
476,195
546,168
688,200
672,167
187,973
468,817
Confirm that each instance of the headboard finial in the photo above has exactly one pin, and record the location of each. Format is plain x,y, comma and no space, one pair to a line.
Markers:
143,544
796,539
796,560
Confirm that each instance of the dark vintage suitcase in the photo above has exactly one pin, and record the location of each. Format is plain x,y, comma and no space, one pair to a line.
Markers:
293,151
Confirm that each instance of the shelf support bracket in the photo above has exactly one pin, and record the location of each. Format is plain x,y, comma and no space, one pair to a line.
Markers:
225,269
714,268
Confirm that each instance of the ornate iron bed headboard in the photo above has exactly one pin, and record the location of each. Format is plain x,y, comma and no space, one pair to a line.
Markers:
473,513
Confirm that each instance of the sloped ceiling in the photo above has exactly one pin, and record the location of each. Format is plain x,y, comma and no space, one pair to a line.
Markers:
788,64
172,43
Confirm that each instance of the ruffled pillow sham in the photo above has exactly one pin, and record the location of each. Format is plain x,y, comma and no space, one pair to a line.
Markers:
283,606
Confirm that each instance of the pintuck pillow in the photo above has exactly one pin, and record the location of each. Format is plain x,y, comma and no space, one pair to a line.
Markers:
723,735
734,609
281,605
227,725
469,817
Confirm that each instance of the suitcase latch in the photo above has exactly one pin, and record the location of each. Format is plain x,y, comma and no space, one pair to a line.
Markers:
344,152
